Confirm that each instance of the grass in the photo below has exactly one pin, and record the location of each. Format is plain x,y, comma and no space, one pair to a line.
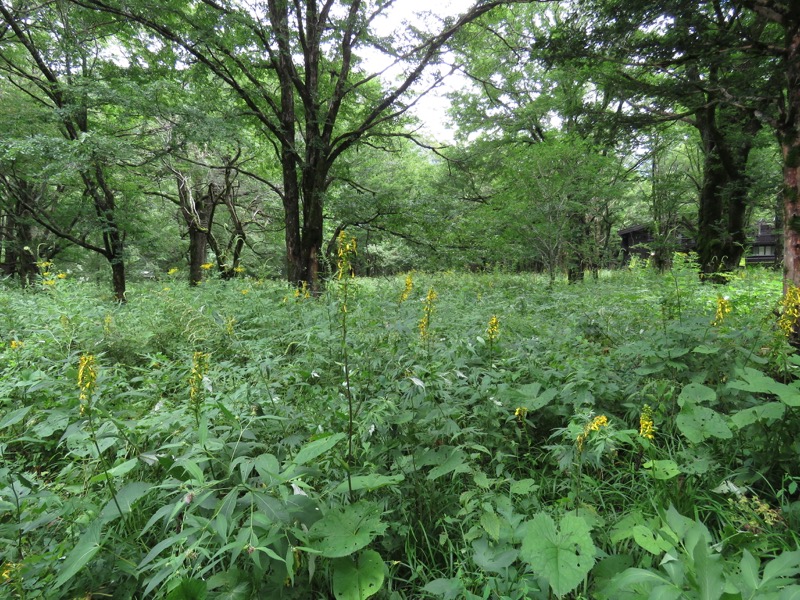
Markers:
242,441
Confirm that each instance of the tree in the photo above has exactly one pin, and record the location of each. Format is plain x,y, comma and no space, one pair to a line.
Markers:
690,62
298,69
48,52
786,15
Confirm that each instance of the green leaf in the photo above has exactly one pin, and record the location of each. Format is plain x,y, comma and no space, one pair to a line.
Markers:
448,589
358,581
662,469
650,540
14,417
494,559
768,413
563,554
369,482
491,525
126,496
345,530
189,589
81,554
696,393
316,448
455,462
698,423
753,380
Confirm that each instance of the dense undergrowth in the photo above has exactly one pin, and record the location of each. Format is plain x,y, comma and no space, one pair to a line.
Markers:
449,435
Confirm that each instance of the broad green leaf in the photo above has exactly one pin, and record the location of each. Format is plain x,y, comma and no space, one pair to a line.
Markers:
491,525
662,469
650,540
117,471
358,580
369,482
14,417
316,448
345,530
454,463
753,380
448,589
81,554
523,486
189,589
698,423
696,393
495,559
785,565
125,498
768,413
563,554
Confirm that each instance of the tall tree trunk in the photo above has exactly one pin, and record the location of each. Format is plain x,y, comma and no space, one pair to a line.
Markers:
789,136
727,136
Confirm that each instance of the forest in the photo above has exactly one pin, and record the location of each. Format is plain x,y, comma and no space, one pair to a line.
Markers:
274,327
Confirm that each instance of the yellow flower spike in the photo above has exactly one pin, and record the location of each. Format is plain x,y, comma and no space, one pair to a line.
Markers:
408,288
346,249
61,275
647,427
594,425
172,271
427,311
87,376
789,311
206,266
16,344
724,308
521,413
493,330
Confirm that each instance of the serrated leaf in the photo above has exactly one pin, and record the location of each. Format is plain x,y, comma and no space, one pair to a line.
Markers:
358,580
494,559
345,530
650,540
563,554
448,589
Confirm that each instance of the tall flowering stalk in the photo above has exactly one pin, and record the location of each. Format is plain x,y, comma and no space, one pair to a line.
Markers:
87,387
492,332
724,308
789,311
200,366
346,250
409,287
427,312
594,425
647,428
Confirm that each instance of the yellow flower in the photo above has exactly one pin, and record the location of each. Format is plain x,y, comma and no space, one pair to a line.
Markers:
200,364
790,310
521,413
87,376
245,292
61,275
49,282
724,307
206,266
493,330
407,290
647,427
44,264
16,344
346,249
594,425
172,271
239,269
427,311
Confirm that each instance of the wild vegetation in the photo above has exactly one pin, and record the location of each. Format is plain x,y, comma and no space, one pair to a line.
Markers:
434,435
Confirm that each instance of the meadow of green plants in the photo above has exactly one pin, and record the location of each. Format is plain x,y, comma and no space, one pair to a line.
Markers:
426,436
